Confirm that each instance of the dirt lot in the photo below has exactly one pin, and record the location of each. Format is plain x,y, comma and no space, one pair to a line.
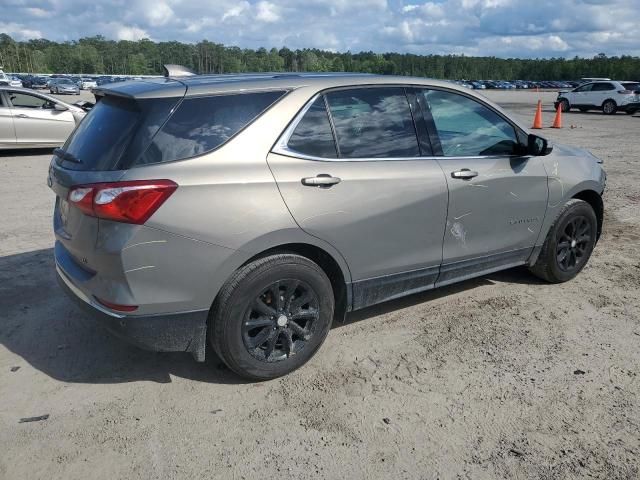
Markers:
498,377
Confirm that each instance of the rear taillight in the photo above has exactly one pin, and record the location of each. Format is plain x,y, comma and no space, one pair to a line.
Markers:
128,202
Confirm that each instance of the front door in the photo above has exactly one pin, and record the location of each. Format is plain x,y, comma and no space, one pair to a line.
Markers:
37,121
370,194
497,198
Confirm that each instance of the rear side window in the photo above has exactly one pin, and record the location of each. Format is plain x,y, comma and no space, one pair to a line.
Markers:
202,124
313,136
602,87
373,123
631,85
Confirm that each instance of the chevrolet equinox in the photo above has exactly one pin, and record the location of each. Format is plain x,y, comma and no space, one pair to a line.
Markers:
249,211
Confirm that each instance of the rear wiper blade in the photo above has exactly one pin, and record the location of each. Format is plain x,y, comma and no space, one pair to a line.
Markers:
60,153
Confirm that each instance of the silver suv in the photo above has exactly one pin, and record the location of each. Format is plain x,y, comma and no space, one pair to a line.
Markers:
250,211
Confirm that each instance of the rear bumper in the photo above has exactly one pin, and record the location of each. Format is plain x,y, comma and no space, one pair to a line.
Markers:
176,332
630,106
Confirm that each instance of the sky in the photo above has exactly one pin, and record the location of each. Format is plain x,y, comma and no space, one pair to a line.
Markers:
503,28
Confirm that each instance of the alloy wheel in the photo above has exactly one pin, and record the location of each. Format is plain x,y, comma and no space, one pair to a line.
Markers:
281,320
573,245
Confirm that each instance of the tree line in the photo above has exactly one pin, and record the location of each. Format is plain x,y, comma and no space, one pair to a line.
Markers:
98,55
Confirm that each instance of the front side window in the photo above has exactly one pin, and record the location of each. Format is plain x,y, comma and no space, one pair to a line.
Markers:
201,124
313,136
584,88
23,100
373,123
468,128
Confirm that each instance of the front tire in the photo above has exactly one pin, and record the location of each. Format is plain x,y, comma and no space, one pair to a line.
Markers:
609,107
564,105
569,243
272,316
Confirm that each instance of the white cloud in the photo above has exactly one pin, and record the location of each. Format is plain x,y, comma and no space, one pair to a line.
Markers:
267,12
522,28
19,31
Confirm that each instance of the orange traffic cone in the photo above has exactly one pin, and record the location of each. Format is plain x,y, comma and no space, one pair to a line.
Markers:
557,122
537,120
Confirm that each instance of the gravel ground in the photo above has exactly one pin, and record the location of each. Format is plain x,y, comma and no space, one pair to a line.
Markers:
498,377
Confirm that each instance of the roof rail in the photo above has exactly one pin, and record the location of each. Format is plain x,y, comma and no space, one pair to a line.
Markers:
171,70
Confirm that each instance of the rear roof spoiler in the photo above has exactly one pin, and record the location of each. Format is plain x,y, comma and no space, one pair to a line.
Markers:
171,70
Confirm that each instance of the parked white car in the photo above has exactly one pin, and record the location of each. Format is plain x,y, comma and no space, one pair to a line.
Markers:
8,81
87,83
608,96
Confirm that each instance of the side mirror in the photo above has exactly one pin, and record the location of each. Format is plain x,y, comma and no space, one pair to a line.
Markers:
59,108
538,146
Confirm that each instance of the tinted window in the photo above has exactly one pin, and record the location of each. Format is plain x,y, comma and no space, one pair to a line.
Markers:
313,135
201,124
373,123
602,87
631,85
468,128
22,100
584,88
115,132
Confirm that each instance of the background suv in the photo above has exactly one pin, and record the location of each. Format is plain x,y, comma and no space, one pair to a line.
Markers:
608,96
252,210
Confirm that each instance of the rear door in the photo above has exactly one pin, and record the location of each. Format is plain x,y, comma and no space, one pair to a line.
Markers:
602,91
7,131
37,121
373,194
497,197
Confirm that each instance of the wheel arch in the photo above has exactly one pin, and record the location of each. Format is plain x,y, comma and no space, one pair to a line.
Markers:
594,199
332,268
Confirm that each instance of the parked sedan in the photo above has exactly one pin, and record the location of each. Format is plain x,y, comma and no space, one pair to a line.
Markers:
9,81
64,86
87,83
30,120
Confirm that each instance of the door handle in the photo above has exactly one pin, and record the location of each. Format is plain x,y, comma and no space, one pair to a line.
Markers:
464,174
321,180
22,115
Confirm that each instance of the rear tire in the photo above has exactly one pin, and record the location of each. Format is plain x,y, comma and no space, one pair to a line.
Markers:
569,243
272,316
609,107
631,112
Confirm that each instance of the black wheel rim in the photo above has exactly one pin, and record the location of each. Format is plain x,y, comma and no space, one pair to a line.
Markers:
574,243
281,320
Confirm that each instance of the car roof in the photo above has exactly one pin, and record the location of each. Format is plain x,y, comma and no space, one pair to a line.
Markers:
214,84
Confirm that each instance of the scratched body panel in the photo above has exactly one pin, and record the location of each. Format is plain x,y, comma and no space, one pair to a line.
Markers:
384,217
500,210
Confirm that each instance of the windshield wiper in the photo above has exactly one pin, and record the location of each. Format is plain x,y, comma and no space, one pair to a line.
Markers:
70,157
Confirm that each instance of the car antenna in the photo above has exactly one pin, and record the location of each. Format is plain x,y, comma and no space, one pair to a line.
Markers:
171,70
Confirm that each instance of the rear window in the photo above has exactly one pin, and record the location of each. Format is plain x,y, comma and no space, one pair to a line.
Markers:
202,124
631,85
120,133
115,133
